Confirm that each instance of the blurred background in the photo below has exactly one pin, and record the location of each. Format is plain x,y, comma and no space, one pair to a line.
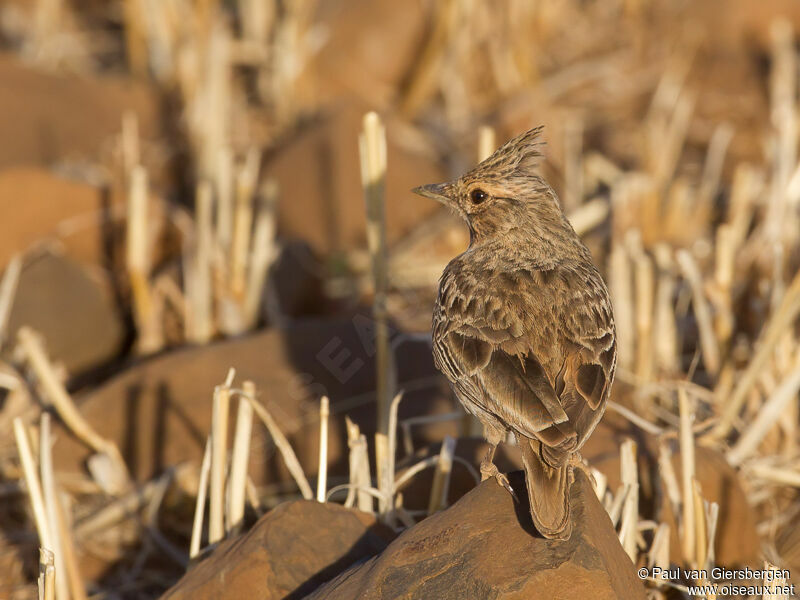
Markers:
188,186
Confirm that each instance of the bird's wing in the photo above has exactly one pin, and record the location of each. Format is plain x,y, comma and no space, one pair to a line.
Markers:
538,343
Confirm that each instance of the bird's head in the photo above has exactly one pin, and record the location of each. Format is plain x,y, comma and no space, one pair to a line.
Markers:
503,193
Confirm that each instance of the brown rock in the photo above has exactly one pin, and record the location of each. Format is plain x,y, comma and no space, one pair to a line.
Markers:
319,172
370,49
73,311
288,553
485,547
159,412
89,114
39,206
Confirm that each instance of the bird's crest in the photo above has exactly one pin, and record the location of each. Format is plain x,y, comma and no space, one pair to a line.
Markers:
518,157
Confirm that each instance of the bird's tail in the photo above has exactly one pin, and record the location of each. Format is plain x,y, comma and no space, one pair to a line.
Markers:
548,491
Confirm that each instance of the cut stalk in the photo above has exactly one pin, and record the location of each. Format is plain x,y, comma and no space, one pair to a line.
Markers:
202,324
224,194
28,463
150,337
712,516
8,289
359,468
219,455
47,575
687,477
264,252
441,477
392,450
630,510
644,316
486,142
200,503
353,433
322,477
658,556
372,150
701,530
246,180
670,480
622,295
237,486
51,501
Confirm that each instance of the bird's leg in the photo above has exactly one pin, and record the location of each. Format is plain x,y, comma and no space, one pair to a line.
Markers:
489,469
576,460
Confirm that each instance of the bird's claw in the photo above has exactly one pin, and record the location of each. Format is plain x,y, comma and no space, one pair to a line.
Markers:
576,461
490,470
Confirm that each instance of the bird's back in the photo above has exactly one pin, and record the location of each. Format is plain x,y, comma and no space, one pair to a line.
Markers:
557,313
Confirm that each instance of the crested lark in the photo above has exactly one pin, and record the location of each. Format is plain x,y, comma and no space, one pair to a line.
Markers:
523,326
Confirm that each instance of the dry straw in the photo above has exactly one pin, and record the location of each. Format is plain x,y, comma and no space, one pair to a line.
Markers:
47,575
56,395
686,437
630,509
322,477
120,509
32,484
285,448
201,325
768,416
359,468
264,251
372,150
200,503
237,484
8,289
219,459
246,181
138,263
441,477
52,508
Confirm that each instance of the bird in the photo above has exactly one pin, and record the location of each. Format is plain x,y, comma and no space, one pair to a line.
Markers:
523,325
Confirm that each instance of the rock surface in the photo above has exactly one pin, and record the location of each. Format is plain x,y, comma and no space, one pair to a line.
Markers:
39,205
370,49
73,311
88,116
485,547
288,553
87,221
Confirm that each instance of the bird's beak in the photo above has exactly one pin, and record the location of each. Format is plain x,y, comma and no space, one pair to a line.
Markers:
437,191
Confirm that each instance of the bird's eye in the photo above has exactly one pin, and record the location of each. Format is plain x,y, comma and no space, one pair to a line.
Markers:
478,196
